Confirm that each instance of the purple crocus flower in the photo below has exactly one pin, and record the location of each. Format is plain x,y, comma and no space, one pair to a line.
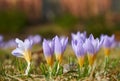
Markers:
78,48
107,43
48,50
79,36
23,50
79,51
36,39
60,46
10,44
92,46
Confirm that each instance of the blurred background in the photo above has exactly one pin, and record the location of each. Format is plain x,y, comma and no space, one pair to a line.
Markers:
20,18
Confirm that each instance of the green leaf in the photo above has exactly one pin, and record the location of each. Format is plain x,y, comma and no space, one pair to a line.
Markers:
43,69
60,70
54,70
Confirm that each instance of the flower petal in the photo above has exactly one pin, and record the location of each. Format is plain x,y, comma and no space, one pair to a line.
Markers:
58,46
80,50
27,44
89,47
17,52
19,42
46,48
64,42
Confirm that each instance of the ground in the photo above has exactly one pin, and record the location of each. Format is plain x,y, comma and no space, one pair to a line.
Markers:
12,68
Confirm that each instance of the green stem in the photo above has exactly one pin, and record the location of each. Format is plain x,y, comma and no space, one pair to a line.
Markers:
106,62
79,71
28,69
90,69
58,66
50,72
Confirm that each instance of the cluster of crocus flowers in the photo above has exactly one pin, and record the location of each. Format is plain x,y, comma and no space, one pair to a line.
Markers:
55,46
10,44
7,44
23,50
48,50
108,42
78,46
82,45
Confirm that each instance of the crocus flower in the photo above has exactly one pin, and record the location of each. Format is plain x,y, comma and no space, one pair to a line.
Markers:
10,44
92,46
23,50
36,39
79,36
48,49
60,46
108,43
79,51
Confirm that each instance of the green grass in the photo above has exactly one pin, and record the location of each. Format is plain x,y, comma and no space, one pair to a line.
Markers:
12,68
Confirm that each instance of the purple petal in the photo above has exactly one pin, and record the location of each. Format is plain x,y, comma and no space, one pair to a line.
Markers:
89,46
36,39
112,39
75,36
27,44
83,36
17,52
80,50
22,47
107,41
91,37
58,46
79,36
46,48
96,44
51,45
10,44
64,42
19,42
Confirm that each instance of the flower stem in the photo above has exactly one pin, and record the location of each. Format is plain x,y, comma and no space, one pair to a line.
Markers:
58,66
79,71
106,62
90,69
28,68
50,72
